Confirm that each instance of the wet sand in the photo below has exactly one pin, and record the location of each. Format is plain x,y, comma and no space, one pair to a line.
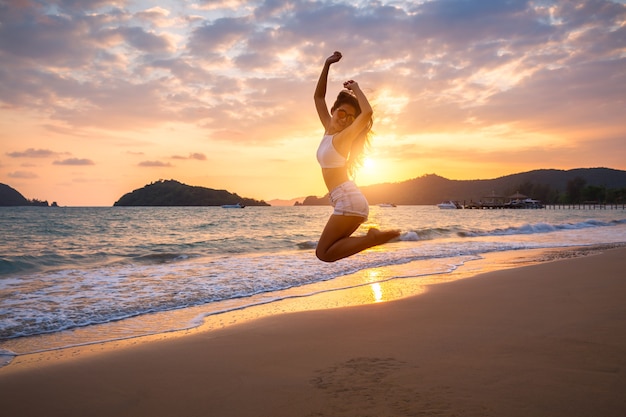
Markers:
540,340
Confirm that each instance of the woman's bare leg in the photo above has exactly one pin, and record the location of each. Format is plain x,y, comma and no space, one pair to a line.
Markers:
336,241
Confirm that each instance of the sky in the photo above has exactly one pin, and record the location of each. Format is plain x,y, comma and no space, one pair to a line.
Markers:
98,98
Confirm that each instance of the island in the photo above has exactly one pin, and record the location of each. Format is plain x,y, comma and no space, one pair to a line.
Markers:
175,193
10,197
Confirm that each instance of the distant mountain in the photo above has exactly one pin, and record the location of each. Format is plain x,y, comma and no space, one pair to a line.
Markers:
548,185
11,197
174,193
315,201
291,202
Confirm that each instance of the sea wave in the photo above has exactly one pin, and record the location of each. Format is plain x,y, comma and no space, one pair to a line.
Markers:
52,259
540,227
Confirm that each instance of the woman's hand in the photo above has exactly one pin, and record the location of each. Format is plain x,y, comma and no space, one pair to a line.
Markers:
335,57
351,85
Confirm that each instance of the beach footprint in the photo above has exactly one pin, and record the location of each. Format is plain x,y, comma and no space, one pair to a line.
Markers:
387,387
371,387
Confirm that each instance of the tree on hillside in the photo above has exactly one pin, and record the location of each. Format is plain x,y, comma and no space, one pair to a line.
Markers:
574,190
543,192
594,193
616,195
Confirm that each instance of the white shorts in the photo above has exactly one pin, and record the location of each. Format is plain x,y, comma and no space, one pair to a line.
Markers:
348,200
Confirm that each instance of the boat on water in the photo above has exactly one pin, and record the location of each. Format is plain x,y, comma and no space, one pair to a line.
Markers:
449,204
238,205
386,205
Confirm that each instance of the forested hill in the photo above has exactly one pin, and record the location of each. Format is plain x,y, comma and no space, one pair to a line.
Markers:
9,196
174,193
547,185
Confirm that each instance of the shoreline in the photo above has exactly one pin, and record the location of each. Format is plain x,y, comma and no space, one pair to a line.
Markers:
545,339
403,282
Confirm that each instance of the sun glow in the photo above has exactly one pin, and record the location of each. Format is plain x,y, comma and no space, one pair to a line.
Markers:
367,172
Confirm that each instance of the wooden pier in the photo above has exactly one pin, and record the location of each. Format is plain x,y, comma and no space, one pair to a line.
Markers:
555,206
521,201
586,206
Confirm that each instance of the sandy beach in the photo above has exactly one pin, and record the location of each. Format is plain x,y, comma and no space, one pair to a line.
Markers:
540,340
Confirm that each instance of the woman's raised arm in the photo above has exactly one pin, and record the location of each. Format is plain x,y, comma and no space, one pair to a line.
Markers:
320,90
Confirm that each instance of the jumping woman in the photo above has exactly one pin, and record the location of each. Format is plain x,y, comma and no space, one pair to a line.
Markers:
346,134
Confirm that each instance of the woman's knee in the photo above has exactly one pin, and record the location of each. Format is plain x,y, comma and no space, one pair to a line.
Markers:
323,255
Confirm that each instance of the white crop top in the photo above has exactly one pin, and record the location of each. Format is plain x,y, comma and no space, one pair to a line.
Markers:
327,155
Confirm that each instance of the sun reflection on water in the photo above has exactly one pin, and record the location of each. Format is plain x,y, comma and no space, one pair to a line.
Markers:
377,292
374,276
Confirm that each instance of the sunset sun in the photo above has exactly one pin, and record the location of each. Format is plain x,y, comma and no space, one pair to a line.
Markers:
368,168
368,164
369,171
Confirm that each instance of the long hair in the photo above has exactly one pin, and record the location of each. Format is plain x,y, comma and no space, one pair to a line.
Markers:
362,141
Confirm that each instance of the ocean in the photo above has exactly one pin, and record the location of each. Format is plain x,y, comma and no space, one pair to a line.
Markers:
73,276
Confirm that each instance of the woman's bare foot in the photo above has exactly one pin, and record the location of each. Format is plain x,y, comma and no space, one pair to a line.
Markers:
379,237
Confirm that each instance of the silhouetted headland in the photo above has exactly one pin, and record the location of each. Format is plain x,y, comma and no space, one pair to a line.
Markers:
174,193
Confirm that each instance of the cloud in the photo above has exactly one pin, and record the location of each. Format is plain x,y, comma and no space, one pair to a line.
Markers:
23,175
103,69
195,155
74,162
33,153
155,164
143,40
156,16
219,34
